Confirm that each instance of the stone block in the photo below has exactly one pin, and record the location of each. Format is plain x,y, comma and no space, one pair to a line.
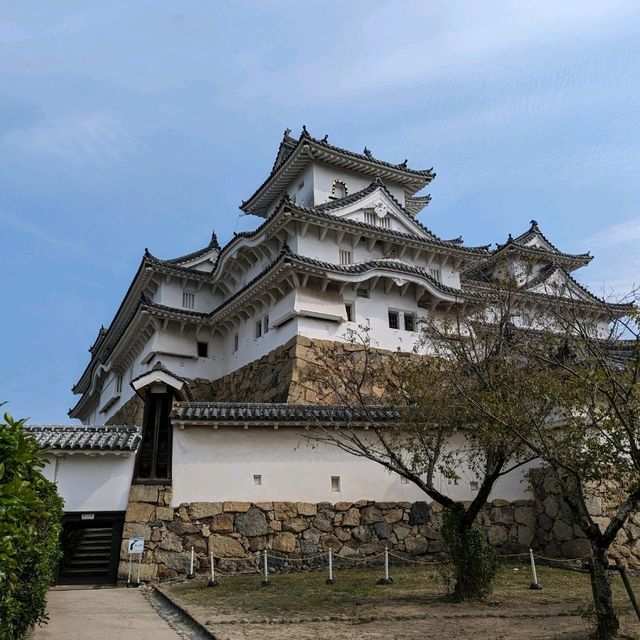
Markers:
312,534
545,522
222,523
201,510
323,523
330,541
308,547
164,513
284,542
370,515
140,512
416,545
351,518
576,548
419,513
148,572
550,504
562,531
401,531
252,523
348,552
258,543
393,515
275,525
170,542
285,510
498,502
180,562
370,548
144,493
496,535
525,515
342,534
386,505
265,506
361,533
382,529
225,547
342,506
306,509
196,541
295,525
525,536
236,507
182,528
132,529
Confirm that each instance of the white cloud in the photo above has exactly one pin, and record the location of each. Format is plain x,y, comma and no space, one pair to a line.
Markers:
617,234
94,138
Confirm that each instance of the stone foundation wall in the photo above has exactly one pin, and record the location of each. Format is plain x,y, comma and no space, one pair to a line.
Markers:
235,532
130,413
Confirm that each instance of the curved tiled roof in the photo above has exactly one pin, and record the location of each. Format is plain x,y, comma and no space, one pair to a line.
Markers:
213,244
281,412
80,438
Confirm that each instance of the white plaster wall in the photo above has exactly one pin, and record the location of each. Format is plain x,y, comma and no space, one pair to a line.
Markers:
325,174
218,465
170,294
92,483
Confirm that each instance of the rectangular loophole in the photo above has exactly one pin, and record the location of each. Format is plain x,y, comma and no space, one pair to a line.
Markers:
257,480
335,483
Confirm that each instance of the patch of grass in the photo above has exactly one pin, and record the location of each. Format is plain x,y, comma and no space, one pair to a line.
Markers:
416,588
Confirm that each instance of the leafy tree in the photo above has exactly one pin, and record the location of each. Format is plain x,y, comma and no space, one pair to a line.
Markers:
30,516
435,434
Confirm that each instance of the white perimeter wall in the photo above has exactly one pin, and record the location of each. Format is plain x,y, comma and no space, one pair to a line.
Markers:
88,484
217,465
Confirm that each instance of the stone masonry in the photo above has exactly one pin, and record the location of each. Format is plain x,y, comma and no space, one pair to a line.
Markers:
236,532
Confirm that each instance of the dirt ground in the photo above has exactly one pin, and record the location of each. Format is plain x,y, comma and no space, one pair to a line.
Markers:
301,606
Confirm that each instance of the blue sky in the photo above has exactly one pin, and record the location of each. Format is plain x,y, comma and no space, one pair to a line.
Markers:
126,125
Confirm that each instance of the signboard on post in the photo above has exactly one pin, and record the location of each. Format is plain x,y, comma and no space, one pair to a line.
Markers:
136,545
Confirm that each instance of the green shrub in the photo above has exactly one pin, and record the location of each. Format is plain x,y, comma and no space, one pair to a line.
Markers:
30,524
473,562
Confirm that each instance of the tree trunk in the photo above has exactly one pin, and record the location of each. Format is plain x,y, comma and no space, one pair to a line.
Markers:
607,623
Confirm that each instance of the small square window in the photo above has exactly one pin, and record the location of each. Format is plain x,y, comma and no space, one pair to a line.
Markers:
345,256
363,292
265,325
257,480
335,483
348,309
404,480
473,485
258,329
188,300
435,274
203,349
393,320
409,322
236,340
119,383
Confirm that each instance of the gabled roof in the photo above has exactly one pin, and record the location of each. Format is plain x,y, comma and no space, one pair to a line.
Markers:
79,438
293,155
415,204
525,242
160,373
293,414
211,247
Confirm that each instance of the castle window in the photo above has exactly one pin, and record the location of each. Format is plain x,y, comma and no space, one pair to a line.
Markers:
257,480
235,342
265,324
345,256
338,190
394,320
258,329
203,349
188,300
409,322
435,274
363,291
371,218
335,483
119,383
348,308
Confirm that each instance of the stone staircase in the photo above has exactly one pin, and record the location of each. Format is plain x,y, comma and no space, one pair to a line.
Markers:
89,558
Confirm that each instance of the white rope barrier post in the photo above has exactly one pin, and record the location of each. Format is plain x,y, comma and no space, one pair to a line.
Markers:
212,581
386,579
265,579
129,578
535,585
191,575
330,579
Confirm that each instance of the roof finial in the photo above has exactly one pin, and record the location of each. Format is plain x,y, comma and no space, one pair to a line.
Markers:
304,130
404,164
326,137
510,238
534,224
214,240
367,153
287,132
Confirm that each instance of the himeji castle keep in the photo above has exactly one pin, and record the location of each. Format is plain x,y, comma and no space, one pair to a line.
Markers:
192,426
